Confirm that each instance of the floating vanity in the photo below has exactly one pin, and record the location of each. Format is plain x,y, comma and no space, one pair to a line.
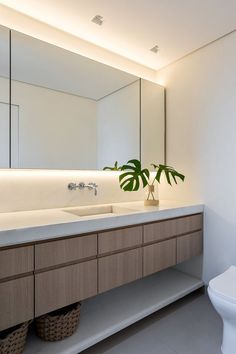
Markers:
118,258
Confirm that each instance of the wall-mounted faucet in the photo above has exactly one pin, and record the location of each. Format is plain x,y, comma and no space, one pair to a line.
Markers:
91,186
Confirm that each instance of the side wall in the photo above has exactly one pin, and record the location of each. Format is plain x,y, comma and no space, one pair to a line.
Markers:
201,142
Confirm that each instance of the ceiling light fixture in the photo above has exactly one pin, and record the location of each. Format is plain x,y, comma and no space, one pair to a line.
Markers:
98,19
155,49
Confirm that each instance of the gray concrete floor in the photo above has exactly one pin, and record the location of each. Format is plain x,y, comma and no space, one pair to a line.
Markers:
189,326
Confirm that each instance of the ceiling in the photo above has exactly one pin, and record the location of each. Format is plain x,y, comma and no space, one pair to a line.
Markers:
132,27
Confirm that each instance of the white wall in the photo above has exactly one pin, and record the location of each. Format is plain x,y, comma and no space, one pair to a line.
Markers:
201,142
118,126
45,189
46,119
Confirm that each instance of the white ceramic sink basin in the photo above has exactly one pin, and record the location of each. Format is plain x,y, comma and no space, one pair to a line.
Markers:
99,210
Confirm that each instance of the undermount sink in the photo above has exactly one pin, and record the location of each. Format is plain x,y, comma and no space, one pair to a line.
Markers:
98,210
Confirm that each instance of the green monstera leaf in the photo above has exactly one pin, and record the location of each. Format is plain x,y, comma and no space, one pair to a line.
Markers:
113,168
169,172
135,175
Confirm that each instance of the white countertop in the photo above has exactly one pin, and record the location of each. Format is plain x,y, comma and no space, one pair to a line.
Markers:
38,225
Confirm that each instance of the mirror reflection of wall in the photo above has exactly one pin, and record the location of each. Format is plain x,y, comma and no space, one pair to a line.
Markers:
118,126
71,112
4,98
152,123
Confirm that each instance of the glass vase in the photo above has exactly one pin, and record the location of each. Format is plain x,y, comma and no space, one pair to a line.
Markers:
151,195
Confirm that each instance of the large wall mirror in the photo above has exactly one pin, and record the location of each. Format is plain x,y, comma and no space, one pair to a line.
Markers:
70,112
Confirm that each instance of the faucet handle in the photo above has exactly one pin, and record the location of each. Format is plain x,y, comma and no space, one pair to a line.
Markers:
81,185
71,186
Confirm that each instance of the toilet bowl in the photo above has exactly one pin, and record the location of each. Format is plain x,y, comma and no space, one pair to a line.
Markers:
222,293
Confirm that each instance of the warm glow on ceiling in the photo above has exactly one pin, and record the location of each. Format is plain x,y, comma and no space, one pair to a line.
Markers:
131,28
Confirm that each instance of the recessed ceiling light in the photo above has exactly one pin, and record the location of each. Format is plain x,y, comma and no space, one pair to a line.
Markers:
98,19
155,49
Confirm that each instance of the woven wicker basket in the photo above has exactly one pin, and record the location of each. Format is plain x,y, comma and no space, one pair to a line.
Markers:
59,324
15,339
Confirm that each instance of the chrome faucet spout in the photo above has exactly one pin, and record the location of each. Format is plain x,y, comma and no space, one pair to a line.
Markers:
93,186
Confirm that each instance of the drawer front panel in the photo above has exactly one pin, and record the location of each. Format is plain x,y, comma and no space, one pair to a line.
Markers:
169,228
119,269
16,261
64,286
64,251
159,256
189,246
111,241
16,301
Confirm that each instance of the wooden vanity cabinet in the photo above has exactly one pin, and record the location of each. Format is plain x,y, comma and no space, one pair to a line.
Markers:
16,286
119,269
116,240
162,230
189,246
74,249
16,261
16,301
64,286
66,272
125,265
159,256
172,241
46,276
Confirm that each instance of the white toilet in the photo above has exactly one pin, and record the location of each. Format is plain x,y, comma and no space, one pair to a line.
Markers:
222,292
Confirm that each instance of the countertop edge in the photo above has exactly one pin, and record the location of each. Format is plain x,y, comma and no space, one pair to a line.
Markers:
31,234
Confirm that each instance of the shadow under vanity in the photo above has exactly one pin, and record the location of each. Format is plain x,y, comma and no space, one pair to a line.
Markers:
41,276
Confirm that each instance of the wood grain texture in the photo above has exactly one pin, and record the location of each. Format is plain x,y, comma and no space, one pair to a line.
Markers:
119,239
189,246
16,301
162,230
159,256
62,251
60,287
15,261
119,269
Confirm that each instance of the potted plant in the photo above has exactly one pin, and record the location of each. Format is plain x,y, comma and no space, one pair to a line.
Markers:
133,177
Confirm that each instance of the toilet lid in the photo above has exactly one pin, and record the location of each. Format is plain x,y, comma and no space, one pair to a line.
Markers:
224,284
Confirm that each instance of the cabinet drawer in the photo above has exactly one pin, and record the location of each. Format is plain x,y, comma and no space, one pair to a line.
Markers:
16,261
159,256
169,228
119,239
64,286
119,269
64,251
16,301
189,246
